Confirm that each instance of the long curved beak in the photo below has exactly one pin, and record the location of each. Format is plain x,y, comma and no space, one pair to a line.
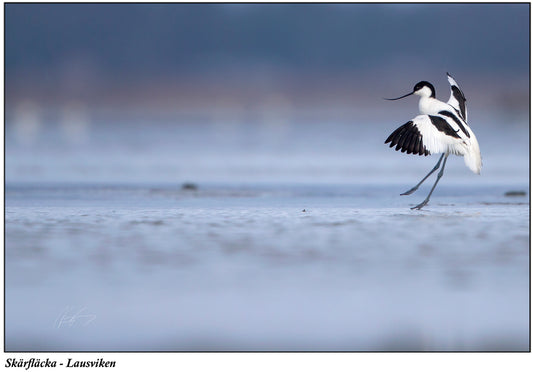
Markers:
394,99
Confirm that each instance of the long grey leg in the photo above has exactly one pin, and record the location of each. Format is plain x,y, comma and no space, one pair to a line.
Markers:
409,192
419,206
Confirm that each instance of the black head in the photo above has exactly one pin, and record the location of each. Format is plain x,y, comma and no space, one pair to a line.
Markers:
419,90
422,84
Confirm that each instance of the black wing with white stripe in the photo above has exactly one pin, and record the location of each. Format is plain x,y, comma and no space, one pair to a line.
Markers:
407,138
429,134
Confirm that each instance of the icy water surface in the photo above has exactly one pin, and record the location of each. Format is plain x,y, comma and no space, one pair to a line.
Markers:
265,267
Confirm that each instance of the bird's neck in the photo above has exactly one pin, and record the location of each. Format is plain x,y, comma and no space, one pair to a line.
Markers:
430,106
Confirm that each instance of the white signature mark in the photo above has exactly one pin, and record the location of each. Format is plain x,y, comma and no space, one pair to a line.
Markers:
69,317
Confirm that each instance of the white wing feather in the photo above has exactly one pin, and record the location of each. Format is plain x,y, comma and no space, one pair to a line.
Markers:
457,98
436,141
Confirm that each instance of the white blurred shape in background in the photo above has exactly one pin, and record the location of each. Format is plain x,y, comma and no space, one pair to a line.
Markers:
27,122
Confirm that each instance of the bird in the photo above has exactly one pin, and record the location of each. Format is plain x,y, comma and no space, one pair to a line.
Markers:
441,127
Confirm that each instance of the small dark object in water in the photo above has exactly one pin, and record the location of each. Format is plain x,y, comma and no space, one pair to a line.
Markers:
515,193
303,210
189,186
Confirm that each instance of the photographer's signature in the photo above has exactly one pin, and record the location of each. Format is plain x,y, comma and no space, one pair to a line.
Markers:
74,316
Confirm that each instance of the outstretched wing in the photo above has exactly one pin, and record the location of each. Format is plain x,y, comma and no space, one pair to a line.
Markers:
408,138
428,134
457,98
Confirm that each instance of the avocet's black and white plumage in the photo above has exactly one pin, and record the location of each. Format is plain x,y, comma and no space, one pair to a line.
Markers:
441,128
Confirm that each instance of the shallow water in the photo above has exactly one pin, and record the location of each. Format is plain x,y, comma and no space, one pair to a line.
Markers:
338,267
292,236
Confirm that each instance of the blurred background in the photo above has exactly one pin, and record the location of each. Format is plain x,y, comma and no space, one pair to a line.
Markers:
166,90
214,177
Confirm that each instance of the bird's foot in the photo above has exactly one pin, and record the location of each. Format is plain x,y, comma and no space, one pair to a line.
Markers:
421,205
409,192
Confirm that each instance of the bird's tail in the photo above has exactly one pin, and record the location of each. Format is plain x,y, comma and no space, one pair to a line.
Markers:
473,155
